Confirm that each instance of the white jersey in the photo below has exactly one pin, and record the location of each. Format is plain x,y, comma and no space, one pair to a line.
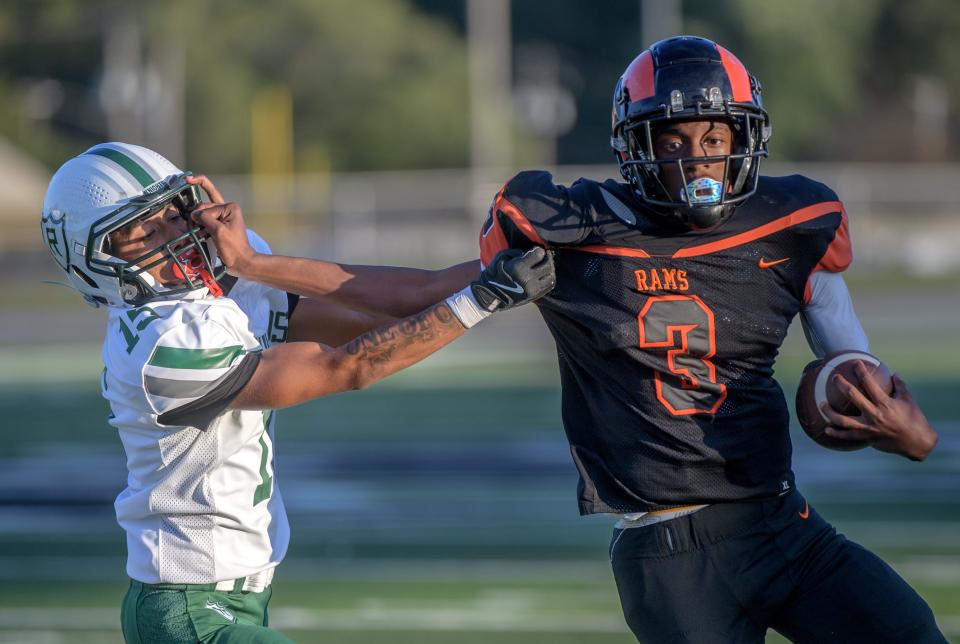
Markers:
202,502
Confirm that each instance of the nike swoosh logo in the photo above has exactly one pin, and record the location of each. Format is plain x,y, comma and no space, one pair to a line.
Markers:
806,511
512,289
765,264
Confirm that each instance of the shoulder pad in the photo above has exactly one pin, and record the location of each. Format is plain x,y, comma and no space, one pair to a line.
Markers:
189,359
533,210
798,187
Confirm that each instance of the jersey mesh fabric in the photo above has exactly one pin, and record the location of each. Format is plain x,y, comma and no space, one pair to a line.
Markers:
667,338
187,498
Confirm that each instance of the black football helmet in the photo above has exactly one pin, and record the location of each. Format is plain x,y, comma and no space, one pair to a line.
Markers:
689,78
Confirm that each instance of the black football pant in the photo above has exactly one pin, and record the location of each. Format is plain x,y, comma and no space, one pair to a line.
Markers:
728,572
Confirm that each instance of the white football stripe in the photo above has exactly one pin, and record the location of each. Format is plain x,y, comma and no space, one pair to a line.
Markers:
820,386
171,373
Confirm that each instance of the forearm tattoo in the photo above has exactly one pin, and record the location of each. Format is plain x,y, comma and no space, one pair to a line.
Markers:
380,345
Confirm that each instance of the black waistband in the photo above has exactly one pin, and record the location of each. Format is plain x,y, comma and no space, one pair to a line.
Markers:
712,524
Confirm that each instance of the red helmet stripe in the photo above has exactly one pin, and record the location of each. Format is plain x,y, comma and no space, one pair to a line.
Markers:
639,77
737,73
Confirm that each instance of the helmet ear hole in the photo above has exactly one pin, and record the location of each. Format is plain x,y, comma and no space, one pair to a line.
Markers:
131,292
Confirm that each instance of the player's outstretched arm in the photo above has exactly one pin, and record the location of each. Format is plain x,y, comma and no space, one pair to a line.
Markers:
324,321
892,423
300,371
386,290
295,372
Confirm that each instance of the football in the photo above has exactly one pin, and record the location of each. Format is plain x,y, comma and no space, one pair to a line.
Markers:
817,386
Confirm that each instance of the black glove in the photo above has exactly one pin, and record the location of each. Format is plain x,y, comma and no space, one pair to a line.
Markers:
514,277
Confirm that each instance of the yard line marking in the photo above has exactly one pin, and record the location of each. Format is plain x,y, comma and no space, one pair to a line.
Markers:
468,618
51,619
106,568
933,569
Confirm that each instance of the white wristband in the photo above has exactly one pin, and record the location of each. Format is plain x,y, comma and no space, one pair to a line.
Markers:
465,306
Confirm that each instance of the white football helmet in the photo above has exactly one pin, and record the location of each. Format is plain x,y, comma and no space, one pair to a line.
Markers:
104,189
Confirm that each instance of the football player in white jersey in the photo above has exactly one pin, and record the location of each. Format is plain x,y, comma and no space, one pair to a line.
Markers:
195,362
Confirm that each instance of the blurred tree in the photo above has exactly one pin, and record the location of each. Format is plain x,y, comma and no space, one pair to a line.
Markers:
375,84
592,44
810,57
49,52
382,83
875,80
912,88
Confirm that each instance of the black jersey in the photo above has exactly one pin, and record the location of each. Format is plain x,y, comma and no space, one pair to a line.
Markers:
667,337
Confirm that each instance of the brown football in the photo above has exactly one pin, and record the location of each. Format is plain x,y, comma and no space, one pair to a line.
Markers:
817,386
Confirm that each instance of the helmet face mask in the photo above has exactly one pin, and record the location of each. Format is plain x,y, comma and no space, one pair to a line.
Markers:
189,253
114,186
688,79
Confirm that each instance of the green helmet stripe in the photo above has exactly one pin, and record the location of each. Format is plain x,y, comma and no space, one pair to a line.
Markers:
125,162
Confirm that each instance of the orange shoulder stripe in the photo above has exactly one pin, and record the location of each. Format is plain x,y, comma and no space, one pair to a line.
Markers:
519,219
494,239
839,253
794,218
619,251
836,259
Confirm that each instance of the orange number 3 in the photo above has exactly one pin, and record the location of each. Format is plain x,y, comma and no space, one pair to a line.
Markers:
682,327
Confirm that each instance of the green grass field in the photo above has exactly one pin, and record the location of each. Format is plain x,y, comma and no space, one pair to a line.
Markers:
436,507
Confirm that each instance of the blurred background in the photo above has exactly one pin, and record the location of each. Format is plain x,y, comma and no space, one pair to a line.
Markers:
440,505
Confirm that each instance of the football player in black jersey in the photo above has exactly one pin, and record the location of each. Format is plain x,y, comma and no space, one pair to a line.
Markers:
674,292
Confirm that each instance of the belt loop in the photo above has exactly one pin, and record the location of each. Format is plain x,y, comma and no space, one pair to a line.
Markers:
238,584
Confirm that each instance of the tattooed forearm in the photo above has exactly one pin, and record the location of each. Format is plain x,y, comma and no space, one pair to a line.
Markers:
405,341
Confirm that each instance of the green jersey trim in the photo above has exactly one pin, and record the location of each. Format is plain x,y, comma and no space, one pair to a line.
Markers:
178,358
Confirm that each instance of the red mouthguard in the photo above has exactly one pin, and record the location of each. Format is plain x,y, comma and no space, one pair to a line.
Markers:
194,267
